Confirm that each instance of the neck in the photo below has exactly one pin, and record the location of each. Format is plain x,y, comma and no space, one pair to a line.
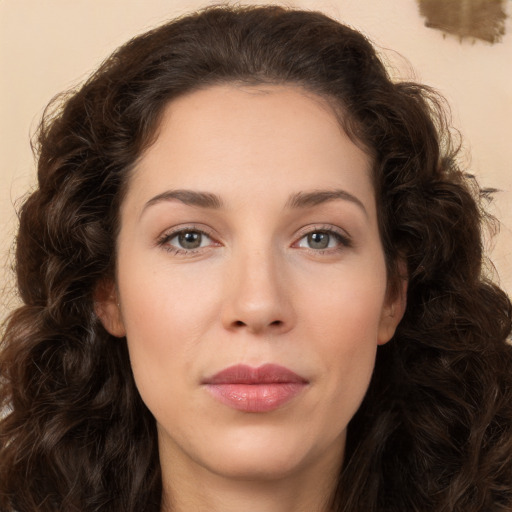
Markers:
187,489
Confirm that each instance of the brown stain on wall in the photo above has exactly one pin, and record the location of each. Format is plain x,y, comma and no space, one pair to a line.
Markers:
476,19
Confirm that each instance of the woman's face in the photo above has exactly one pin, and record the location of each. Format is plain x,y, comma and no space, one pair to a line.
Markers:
251,282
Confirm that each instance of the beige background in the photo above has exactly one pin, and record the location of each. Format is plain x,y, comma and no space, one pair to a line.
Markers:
47,46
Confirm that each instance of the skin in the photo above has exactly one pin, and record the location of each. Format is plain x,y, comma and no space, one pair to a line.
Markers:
257,290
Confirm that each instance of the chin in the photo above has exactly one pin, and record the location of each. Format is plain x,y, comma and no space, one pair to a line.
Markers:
258,464
257,454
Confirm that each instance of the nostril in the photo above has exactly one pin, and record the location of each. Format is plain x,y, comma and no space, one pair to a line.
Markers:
240,323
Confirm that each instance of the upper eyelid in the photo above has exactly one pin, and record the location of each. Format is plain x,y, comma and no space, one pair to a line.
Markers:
302,231
343,237
170,233
322,227
186,227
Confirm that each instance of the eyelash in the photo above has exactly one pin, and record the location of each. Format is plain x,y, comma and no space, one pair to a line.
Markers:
163,241
343,240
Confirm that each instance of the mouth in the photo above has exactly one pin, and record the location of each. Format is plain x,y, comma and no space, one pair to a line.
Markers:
256,390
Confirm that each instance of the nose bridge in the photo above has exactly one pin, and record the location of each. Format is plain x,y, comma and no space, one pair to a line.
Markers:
257,300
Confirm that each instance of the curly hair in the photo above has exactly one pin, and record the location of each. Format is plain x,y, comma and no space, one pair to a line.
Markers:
434,432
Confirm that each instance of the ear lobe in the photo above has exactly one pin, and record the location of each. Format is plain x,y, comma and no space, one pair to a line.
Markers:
107,309
392,313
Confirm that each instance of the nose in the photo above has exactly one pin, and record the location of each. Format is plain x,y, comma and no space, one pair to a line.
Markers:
258,299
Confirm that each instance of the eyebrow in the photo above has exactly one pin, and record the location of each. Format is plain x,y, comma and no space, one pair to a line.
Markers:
213,201
316,197
188,197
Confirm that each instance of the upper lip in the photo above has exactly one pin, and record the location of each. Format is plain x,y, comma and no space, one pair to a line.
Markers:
265,374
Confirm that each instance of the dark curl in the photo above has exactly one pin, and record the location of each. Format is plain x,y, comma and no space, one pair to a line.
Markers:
434,432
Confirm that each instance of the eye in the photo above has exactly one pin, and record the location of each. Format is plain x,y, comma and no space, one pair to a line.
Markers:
322,239
186,240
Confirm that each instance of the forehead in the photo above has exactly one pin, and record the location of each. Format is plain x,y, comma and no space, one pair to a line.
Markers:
255,136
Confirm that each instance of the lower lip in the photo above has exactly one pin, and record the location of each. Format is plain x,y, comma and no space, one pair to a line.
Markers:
263,397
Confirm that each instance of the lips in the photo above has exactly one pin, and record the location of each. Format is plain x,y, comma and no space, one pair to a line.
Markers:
257,390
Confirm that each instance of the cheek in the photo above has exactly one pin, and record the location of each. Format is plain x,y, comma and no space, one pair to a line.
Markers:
167,299
347,305
166,315
344,322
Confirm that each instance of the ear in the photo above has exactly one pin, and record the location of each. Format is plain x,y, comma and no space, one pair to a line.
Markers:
393,310
106,307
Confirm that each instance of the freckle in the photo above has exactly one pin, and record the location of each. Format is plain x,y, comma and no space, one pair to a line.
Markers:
472,19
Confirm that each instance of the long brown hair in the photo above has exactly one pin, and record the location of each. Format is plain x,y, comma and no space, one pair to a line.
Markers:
434,432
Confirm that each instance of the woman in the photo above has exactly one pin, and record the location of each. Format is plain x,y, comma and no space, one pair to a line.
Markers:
252,280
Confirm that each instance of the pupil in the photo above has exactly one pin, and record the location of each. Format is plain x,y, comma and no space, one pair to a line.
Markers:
318,240
190,240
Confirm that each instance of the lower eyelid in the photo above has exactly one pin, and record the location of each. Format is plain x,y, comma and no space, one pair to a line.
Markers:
164,239
342,238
